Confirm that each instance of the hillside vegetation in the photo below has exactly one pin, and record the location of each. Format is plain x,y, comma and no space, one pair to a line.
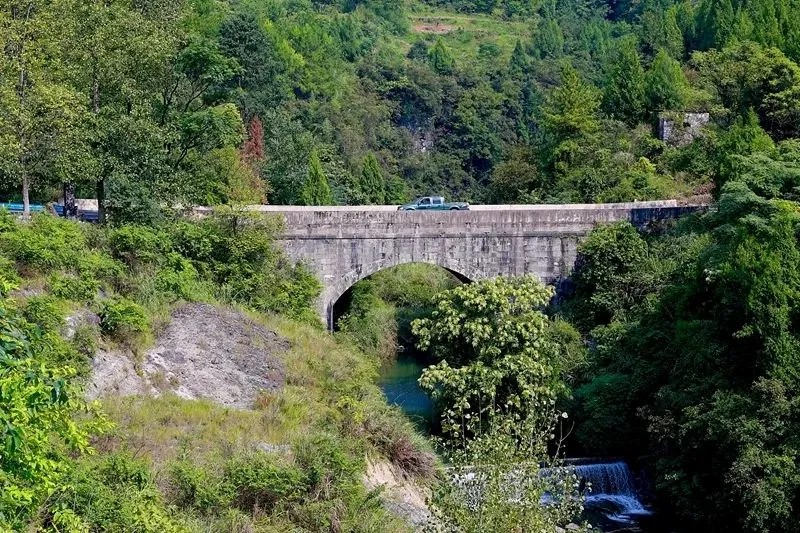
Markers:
294,458
151,104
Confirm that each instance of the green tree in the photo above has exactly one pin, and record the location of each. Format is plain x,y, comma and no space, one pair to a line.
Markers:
717,22
569,117
39,128
659,30
748,76
492,337
372,184
268,67
496,380
477,128
665,84
440,58
316,190
744,138
549,40
624,94
118,52
516,179
611,260
698,365
518,64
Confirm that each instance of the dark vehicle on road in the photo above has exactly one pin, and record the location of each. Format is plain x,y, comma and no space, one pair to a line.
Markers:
433,203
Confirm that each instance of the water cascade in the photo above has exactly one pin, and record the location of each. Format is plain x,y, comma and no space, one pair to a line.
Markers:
613,491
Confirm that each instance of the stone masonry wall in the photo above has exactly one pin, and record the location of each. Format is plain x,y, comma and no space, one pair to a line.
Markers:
343,246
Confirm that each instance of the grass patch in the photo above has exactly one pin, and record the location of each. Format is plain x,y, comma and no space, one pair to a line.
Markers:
465,34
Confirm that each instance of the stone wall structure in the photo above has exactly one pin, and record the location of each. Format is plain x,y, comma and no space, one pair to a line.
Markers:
344,245
681,133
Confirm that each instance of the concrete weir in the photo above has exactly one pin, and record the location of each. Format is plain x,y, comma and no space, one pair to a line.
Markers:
344,245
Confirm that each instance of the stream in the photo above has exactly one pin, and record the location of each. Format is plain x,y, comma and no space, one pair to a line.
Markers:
398,380
613,504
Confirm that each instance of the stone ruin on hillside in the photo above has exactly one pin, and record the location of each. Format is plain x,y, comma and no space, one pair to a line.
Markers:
680,134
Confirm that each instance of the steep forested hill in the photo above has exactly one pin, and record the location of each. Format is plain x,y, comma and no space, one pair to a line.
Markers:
215,101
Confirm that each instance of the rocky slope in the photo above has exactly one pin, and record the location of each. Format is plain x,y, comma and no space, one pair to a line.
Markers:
205,352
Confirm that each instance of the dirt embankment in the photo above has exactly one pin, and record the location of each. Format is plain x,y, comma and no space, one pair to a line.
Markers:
400,495
205,352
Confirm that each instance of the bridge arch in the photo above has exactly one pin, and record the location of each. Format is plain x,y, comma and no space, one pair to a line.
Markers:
334,291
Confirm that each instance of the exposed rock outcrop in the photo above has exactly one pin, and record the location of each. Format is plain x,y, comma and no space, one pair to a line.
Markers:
205,352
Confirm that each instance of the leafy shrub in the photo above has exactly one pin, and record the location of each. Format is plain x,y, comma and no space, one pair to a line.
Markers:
44,311
8,272
337,498
136,245
196,241
290,291
99,265
123,318
7,221
236,252
39,430
79,288
47,243
179,277
260,481
52,245
195,486
117,493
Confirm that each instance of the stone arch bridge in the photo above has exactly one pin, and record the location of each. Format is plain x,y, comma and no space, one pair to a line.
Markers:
344,245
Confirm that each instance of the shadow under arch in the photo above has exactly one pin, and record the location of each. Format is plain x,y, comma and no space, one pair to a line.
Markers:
337,290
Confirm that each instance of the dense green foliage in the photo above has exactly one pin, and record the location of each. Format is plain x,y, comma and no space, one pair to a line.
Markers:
39,415
382,307
491,337
152,107
228,256
497,380
695,348
316,189
149,105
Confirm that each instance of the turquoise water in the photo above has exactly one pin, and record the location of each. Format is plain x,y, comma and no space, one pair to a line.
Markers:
399,383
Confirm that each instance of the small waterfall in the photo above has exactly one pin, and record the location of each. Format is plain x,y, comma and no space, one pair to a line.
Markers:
610,496
612,490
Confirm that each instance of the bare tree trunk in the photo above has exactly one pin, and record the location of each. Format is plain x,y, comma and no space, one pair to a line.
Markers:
22,94
100,188
70,204
26,202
